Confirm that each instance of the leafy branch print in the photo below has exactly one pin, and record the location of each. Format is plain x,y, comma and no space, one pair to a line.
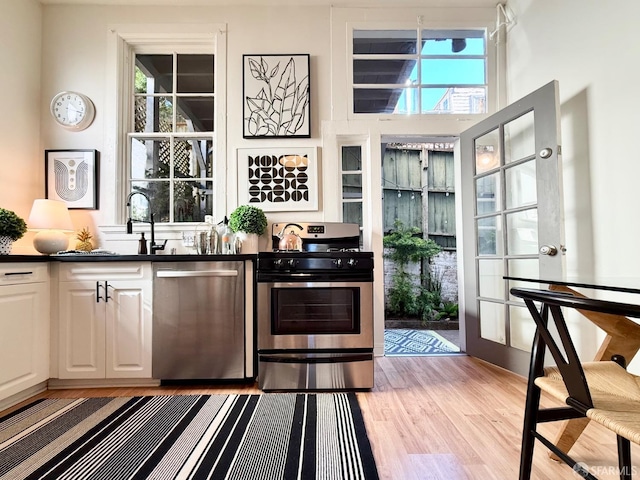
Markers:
280,106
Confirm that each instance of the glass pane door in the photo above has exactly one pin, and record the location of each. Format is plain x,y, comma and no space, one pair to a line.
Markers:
512,206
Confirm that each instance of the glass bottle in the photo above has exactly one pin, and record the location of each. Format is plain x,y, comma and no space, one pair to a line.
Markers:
227,238
142,245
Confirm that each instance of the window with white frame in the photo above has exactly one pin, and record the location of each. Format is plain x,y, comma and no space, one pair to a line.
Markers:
352,197
172,132
420,71
169,110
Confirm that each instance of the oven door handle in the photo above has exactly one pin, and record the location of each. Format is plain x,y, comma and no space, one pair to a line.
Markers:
302,358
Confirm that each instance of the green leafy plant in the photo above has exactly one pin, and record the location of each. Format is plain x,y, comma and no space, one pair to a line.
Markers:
403,300
406,245
431,305
11,225
248,219
406,297
448,310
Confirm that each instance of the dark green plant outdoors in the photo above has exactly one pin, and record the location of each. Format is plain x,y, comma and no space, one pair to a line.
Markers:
248,219
432,307
409,298
11,225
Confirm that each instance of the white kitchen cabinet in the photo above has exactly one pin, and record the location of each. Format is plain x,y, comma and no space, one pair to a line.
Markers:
104,320
24,326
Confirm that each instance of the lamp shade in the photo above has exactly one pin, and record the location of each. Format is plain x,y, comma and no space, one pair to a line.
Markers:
50,218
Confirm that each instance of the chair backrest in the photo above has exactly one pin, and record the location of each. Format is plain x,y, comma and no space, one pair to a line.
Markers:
564,353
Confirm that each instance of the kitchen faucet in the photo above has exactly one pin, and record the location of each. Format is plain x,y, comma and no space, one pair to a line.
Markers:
154,247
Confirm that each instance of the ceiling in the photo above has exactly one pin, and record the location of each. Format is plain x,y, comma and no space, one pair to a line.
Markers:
335,3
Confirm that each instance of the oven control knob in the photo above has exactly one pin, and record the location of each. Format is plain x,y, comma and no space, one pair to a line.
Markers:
338,262
277,263
352,262
293,263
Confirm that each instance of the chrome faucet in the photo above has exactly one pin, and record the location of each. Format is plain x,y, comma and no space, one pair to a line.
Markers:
154,247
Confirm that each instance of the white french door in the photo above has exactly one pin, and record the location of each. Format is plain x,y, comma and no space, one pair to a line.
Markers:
512,222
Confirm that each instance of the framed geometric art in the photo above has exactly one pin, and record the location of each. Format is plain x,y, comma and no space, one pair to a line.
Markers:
275,93
71,176
278,179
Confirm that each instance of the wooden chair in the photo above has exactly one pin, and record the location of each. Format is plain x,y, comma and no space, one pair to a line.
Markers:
602,391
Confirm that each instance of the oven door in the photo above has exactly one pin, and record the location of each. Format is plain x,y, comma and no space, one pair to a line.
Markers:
326,316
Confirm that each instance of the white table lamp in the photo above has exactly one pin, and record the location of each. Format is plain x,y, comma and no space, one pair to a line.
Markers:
51,219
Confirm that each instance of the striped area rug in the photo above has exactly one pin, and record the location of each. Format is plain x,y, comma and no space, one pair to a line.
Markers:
270,436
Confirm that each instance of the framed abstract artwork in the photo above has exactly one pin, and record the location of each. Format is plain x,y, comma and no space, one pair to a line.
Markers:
278,179
71,176
275,92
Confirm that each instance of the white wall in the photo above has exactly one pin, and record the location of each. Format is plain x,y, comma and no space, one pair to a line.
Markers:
591,48
75,55
21,158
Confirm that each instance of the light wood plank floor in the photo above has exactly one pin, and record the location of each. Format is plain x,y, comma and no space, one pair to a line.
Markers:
441,418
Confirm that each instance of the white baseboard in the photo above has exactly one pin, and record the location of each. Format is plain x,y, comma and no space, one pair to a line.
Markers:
60,384
22,396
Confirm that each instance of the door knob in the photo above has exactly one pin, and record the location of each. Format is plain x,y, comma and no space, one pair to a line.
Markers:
548,250
546,152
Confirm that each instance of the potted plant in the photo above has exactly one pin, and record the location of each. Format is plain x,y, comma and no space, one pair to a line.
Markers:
12,228
248,222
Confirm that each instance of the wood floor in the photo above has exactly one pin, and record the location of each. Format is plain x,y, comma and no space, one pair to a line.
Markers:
441,418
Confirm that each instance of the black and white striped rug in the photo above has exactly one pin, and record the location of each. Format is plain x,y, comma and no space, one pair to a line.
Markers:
270,436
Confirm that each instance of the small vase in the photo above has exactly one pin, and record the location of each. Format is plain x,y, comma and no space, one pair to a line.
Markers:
5,245
250,242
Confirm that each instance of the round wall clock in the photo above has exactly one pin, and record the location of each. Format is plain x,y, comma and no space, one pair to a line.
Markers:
72,110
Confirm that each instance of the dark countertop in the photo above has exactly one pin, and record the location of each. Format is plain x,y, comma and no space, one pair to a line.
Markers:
123,258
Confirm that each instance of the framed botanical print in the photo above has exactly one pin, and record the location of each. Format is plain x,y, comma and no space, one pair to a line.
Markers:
276,96
71,176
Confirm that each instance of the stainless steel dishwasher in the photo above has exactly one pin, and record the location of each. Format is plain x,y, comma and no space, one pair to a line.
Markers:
198,320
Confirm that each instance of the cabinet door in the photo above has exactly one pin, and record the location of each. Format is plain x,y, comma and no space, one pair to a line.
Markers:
128,329
82,330
24,337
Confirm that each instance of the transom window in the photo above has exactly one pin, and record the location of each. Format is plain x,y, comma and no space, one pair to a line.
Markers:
171,137
421,71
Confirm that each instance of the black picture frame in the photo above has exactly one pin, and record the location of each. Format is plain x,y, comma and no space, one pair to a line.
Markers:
71,175
276,96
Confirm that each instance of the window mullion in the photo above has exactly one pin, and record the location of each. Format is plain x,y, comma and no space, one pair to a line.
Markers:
419,71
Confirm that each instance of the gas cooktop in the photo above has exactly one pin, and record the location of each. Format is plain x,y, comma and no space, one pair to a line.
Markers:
314,261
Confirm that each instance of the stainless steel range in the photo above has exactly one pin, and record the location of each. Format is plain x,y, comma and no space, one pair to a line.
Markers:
315,310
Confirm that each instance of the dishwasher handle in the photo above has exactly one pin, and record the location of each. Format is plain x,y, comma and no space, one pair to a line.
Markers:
195,273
